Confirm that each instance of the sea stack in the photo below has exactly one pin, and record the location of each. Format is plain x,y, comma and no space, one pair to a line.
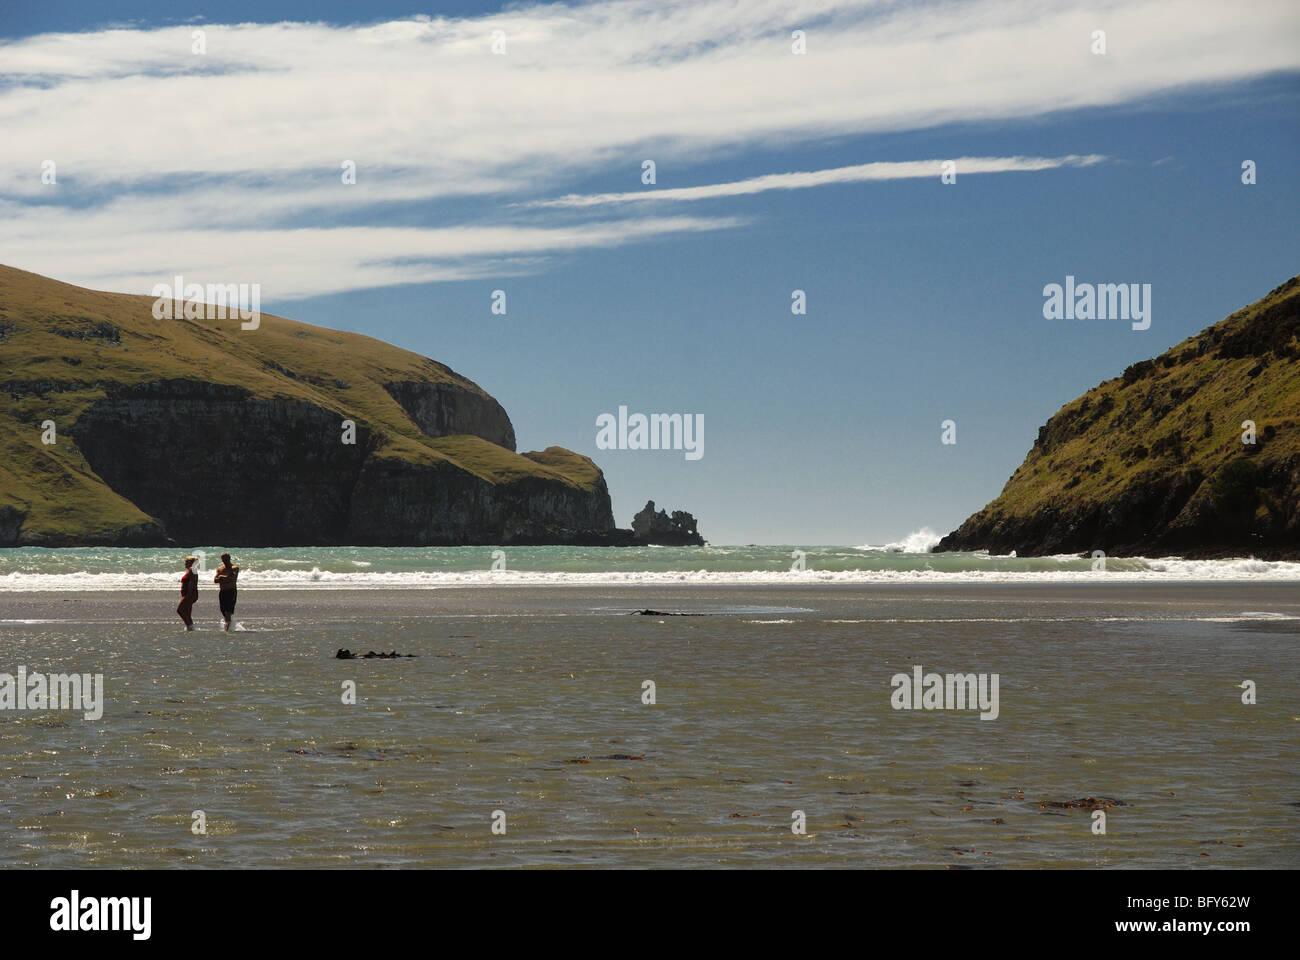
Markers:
660,529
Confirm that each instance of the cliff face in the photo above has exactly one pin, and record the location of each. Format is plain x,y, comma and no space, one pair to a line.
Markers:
1153,462
446,409
222,465
195,431
438,504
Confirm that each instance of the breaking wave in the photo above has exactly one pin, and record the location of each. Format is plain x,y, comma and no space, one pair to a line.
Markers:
919,541
1139,571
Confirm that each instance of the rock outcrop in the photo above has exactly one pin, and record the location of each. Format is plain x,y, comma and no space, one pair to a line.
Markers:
1153,462
119,428
649,527
11,521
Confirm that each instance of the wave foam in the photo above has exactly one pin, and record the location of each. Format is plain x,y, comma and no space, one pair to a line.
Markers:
918,541
1156,571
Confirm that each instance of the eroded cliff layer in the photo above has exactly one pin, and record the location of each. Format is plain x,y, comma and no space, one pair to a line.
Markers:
1154,463
119,428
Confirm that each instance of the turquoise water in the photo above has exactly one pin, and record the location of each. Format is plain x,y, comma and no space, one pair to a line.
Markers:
33,568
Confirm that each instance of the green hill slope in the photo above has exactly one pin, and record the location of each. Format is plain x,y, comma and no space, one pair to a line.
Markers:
1153,462
198,430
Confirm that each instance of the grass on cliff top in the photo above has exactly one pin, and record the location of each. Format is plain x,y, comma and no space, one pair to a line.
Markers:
499,465
63,346
1182,410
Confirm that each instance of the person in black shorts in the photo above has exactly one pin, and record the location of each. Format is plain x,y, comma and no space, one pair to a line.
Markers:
227,575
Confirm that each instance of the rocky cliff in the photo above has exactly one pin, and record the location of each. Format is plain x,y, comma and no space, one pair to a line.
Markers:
1153,462
120,428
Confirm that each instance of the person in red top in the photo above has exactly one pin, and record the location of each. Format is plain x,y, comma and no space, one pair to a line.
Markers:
189,593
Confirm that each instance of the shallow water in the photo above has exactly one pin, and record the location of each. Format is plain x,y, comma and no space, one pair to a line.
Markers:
528,701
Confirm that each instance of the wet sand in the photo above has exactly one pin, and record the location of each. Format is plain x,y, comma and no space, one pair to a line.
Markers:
530,701
1192,598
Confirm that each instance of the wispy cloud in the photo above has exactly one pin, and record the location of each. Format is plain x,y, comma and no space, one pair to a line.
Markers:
159,144
307,261
858,173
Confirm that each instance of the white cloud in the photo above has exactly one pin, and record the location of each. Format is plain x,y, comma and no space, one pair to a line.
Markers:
151,139
293,263
858,173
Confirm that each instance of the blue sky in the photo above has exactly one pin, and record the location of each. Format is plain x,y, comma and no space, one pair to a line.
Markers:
924,299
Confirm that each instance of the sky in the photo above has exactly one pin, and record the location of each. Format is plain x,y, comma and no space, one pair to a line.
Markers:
774,171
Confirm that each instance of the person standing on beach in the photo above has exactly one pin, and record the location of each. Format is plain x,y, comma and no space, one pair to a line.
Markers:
225,579
189,593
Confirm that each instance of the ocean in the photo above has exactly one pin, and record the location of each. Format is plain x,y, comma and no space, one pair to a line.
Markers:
34,568
1145,715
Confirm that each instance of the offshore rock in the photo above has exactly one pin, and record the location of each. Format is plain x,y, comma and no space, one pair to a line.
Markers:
649,527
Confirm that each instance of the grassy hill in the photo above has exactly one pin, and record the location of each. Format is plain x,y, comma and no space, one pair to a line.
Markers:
149,412
1153,461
